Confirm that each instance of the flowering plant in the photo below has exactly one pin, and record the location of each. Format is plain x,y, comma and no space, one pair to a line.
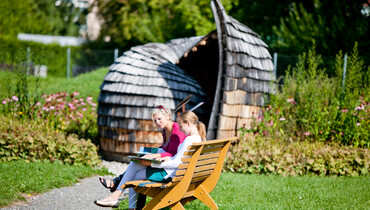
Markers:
61,111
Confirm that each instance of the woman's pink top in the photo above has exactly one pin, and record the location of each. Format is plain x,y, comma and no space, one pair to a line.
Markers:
176,138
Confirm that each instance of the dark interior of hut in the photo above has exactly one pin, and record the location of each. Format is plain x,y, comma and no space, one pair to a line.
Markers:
201,63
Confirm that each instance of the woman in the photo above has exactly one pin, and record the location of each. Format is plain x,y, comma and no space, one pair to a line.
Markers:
172,138
160,172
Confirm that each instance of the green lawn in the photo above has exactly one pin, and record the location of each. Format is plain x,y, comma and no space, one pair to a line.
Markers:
87,84
238,191
37,177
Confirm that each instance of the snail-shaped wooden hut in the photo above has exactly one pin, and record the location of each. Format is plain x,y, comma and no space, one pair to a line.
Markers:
230,70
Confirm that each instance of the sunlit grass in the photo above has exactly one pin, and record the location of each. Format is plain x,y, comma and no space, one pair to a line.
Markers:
37,177
86,84
238,191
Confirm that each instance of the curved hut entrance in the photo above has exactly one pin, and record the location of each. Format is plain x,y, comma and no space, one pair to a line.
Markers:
201,63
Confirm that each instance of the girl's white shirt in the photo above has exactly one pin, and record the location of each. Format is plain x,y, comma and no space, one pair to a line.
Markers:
171,165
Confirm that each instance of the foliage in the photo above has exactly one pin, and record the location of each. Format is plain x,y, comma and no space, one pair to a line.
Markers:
336,30
13,53
258,155
18,16
21,177
38,17
260,17
31,141
312,107
133,22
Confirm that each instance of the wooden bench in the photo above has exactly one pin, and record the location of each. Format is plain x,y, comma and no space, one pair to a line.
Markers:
195,178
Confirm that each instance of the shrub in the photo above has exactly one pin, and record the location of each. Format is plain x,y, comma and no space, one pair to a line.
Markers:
261,155
31,141
310,106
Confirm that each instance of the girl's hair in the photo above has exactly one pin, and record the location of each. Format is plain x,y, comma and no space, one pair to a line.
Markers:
161,109
189,116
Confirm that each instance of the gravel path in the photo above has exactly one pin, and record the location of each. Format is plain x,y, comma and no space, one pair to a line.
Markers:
79,196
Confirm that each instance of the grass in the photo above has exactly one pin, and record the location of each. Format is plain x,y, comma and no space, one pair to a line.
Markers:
239,191
86,84
19,177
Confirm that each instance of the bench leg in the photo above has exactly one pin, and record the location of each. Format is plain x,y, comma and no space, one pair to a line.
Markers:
203,196
177,206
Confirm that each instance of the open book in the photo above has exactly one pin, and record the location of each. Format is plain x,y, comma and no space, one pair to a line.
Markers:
144,151
137,159
149,150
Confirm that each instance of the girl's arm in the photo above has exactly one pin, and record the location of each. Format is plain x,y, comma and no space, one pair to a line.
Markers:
174,161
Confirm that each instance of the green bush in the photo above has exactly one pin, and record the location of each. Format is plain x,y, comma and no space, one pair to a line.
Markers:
310,106
30,140
261,155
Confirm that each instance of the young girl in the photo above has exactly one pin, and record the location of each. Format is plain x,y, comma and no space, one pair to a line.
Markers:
165,171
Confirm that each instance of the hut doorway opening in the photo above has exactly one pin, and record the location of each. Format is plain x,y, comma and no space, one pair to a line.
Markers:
201,63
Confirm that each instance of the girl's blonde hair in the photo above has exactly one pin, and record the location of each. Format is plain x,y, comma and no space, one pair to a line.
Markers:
161,109
189,116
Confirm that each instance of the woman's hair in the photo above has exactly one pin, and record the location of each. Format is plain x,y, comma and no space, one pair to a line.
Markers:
161,109
189,116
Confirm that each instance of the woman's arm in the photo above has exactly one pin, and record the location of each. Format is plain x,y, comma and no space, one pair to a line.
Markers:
172,146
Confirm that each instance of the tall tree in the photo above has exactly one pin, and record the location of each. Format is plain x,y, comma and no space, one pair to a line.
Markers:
21,16
131,22
333,25
261,16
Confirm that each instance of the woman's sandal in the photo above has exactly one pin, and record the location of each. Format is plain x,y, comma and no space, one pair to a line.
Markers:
104,183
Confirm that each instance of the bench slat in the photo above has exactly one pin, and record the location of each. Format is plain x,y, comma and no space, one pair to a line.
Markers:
197,169
215,141
204,174
192,147
199,163
202,157
208,150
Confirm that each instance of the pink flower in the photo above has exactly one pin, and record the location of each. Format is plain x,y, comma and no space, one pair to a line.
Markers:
358,124
291,100
80,115
344,110
75,93
270,123
282,119
360,107
307,133
268,107
61,106
89,98
15,98
38,104
84,109
93,104
4,102
52,107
